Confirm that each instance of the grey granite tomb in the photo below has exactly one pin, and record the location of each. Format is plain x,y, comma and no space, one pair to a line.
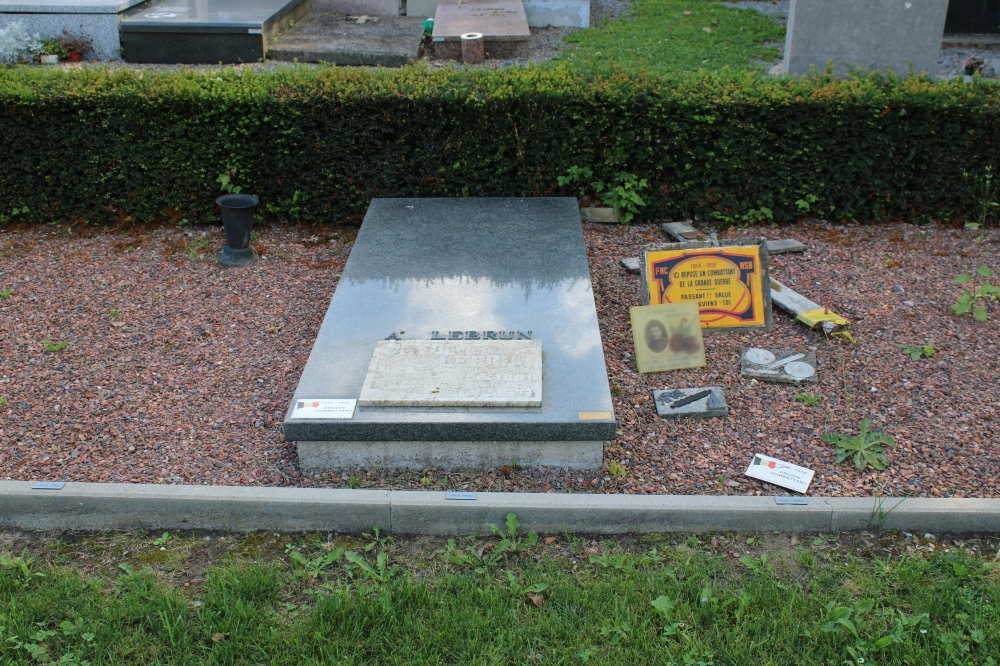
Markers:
472,270
874,34
95,19
208,31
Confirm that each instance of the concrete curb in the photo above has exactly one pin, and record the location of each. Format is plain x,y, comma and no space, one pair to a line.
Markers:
114,506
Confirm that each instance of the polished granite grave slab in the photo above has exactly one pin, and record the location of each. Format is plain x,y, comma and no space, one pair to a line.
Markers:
207,31
462,269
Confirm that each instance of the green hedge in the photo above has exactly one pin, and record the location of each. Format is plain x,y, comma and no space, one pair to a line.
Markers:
317,144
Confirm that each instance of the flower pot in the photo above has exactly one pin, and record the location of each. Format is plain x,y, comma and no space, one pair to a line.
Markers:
50,59
75,56
237,218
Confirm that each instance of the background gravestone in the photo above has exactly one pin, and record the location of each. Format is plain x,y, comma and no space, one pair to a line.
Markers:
386,41
540,13
502,23
95,19
975,17
207,31
874,34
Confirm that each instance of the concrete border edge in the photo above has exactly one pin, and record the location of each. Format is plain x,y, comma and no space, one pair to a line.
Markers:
110,506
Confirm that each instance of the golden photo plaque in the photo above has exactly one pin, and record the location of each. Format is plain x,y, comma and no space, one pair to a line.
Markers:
667,337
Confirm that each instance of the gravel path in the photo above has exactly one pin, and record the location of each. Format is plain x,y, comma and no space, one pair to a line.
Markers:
193,387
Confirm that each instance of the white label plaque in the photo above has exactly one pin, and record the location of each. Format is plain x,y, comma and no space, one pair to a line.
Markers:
454,373
324,409
780,473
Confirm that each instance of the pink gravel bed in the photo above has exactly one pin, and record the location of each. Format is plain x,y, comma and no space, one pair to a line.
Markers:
193,387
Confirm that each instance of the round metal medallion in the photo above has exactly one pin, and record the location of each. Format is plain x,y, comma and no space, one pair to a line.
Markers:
759,356
799,370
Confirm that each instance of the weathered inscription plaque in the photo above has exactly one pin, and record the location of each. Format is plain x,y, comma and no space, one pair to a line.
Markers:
454,373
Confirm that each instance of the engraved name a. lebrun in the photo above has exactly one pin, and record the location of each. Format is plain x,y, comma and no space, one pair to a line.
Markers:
474,335
482,335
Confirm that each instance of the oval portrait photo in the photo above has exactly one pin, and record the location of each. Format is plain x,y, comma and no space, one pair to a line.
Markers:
656,336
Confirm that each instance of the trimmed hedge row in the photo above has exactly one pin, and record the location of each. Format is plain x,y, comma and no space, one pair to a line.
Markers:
317,144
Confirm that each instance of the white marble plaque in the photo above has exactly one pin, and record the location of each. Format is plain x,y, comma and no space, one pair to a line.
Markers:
454,373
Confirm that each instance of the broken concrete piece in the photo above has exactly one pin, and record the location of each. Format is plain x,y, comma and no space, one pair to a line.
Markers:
685,231
690,402
778,365
600,214
632,264
784,246
809,313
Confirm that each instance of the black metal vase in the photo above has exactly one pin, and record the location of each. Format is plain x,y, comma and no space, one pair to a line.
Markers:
237,218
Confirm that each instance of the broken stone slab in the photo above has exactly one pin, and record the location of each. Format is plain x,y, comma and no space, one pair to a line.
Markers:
784,246
632,264
690,402
600,214
778,365
388,41
685,231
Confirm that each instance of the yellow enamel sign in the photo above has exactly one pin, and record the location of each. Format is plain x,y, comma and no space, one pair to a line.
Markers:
727,283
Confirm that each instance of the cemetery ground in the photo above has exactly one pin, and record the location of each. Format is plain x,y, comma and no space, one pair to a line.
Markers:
131,357
661,37
691,599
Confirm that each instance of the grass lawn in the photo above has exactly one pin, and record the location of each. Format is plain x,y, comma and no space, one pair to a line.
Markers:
655,599
668,36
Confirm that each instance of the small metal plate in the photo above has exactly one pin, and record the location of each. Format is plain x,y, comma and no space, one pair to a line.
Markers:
779,365
675,403
459,496
759,356
48,485
784,499
799,370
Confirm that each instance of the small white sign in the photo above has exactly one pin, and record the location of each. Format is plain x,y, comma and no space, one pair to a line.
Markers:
780,473
324,409
459,496
48,485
